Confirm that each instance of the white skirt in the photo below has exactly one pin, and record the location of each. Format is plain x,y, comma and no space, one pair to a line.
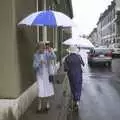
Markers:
45,88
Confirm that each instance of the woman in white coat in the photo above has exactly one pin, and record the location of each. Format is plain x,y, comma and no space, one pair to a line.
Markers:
41,67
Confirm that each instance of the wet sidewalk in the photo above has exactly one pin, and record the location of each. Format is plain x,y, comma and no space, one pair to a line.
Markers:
59,105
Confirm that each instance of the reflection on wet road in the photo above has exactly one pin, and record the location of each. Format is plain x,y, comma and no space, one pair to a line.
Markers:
100,95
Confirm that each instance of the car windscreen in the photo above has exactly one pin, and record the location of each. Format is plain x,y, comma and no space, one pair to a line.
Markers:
102,51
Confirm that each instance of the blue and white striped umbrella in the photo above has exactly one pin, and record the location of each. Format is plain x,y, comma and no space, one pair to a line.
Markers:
47,18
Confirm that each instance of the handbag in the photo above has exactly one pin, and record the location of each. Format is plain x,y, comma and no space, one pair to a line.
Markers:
66,68
57,77
51,72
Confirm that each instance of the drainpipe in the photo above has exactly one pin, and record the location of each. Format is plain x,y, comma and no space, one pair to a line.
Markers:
37,8
44,30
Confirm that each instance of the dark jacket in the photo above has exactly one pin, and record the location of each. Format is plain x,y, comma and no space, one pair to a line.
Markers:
73,61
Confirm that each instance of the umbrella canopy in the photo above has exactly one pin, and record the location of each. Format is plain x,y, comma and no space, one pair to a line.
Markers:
80,42
47,18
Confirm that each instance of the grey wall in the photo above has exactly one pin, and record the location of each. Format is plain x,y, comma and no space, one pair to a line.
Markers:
26,40
9,75
17,45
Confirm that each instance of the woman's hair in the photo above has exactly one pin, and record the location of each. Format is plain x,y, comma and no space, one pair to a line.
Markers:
40,44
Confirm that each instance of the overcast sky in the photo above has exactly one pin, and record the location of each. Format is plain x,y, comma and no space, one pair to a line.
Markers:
86,14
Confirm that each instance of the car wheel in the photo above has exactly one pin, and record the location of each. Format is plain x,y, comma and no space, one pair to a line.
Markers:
113,55
109,64
90,63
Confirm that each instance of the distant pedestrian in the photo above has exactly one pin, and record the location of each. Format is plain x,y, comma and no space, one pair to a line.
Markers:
51,62
72,65
41,67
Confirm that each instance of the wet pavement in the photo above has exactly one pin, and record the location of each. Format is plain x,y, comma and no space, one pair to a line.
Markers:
100,98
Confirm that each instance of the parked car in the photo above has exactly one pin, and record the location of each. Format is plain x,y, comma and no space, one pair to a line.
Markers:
115,49
100,55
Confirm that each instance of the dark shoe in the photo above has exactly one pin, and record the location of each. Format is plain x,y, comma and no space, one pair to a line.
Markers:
76,108
43,110
39,111
47,108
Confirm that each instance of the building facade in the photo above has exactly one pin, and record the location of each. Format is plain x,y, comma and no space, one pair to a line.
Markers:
17,84
93,37
108,24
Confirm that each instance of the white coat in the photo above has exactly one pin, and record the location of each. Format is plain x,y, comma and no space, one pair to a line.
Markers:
45,88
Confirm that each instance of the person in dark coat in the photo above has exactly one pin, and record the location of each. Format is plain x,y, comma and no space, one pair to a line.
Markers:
73,66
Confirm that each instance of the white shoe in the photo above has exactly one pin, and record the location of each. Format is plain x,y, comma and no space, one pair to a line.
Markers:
78,103
48,105
39,105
